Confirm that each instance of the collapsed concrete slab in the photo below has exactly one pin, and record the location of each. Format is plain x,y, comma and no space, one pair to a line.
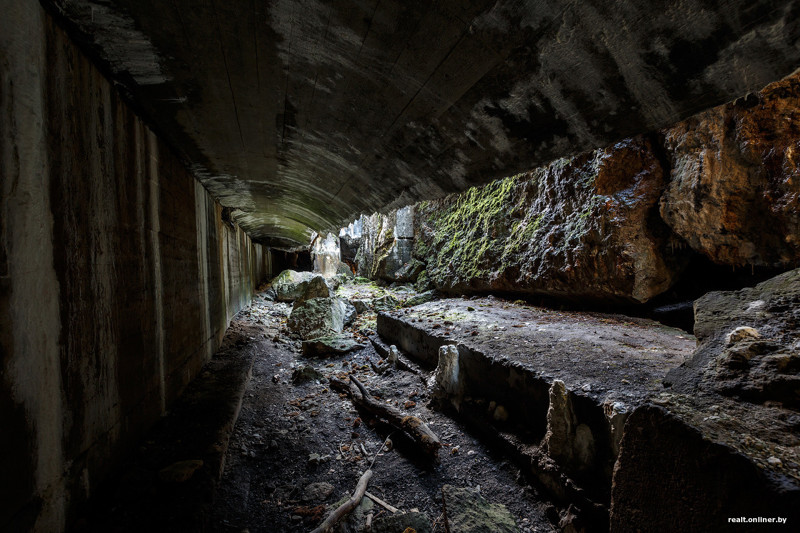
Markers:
724,440
556,387
614,411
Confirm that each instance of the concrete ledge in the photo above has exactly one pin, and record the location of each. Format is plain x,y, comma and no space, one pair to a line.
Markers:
675,475
556,387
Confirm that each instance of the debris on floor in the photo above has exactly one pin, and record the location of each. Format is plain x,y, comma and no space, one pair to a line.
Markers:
301,444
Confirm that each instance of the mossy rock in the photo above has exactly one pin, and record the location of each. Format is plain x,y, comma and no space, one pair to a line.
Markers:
320,317
290,284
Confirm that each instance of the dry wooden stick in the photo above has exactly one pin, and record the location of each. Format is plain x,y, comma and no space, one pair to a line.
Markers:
380,502
412,425
341,511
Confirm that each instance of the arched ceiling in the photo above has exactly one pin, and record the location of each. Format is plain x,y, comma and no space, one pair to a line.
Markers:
299,114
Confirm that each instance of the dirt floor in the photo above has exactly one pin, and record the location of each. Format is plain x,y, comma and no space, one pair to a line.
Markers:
293,431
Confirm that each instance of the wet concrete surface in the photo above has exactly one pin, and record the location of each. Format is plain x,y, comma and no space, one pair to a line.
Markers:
601,355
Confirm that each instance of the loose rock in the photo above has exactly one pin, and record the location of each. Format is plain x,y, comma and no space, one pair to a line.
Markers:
317,492
320,317
333,345
290,285
467,511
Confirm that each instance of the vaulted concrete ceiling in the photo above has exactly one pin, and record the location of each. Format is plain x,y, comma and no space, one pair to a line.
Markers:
300,114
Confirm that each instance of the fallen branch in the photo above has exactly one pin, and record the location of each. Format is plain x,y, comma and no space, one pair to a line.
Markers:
344,509
339,386
378,369
413,426
380,502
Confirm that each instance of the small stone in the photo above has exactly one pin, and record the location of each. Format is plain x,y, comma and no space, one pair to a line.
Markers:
774,461
304,374
330,345
316,492
741,333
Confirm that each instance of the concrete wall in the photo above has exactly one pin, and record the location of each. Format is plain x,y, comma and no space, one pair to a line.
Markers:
118,276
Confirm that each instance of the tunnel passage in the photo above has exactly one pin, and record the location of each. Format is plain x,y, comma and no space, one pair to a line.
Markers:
159,162
297,115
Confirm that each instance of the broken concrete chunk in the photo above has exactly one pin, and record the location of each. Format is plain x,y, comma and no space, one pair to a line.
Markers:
350,313
316,287
562,426
708,475
393,355
726,434
180,472
481,370
320,317
410,271
333,345
448,375
759,362
733,176
594,211
290,285
567,441
466,511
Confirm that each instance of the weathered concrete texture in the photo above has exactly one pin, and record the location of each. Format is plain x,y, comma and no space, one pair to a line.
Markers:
384,246
118,276
327,256
581,228
614,224
562,381
734,191
321,317
466,511
724,441
677,474
299,114
749,343
290,285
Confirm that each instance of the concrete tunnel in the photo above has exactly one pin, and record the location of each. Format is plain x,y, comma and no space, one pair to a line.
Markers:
161,160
